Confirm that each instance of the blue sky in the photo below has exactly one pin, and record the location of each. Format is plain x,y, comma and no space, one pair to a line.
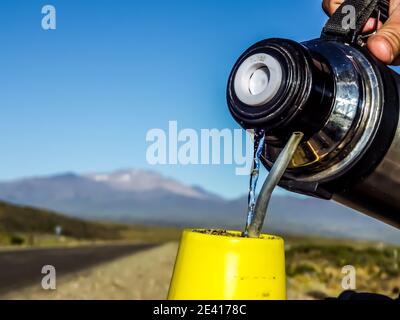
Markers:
82,97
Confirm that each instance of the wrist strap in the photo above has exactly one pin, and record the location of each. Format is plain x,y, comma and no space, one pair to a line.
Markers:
338,25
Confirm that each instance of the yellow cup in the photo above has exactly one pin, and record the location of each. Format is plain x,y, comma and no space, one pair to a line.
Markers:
226,266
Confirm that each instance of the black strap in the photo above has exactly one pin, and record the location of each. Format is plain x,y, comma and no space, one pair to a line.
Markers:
364,9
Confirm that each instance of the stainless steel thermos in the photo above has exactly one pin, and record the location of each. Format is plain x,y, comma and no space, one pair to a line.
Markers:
347,105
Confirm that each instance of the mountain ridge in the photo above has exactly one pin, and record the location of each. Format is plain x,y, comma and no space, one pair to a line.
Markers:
146,197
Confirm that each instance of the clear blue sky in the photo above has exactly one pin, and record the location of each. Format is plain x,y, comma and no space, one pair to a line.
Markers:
81,98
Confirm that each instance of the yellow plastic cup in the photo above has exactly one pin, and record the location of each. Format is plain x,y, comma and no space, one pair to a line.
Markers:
222,266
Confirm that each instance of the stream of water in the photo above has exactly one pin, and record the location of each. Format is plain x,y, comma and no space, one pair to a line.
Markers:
259,140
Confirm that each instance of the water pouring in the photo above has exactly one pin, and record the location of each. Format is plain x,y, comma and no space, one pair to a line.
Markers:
325,113
342,98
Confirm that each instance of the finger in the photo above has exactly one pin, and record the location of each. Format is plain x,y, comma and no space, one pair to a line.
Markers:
370,26
385,45
330,6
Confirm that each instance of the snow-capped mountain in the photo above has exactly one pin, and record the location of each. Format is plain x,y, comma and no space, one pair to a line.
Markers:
137,196
144,181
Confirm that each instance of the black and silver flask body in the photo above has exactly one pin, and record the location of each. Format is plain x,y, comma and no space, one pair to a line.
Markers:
345,102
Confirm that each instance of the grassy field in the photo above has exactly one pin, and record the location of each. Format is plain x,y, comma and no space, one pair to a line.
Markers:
36,227
314,267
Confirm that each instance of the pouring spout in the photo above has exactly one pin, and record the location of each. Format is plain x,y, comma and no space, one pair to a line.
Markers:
275,175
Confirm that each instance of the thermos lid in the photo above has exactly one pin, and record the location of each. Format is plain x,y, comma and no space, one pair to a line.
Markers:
269,84
258,79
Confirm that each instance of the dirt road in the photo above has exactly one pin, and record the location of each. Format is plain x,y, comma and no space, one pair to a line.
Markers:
22,268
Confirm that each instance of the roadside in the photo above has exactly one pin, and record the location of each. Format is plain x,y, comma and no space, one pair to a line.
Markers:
314,271
22,268
143,275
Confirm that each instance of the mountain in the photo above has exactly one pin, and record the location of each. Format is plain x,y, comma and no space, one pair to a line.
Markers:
145,181
145,197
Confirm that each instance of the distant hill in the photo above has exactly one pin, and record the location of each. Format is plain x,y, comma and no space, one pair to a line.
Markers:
21,221
18,219
144,197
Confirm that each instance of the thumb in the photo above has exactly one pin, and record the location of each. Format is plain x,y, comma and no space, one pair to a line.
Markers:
385,44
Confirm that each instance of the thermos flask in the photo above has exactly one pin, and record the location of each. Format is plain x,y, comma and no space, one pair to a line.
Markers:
344,101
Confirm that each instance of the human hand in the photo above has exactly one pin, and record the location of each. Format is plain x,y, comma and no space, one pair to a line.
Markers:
385,44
